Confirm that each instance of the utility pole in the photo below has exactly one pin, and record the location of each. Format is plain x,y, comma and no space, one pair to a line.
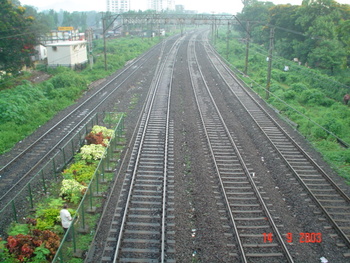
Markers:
89,39
228,40
104,39
247,49
105,28
269,60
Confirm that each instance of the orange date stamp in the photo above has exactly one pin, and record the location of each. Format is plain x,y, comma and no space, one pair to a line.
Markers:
313,237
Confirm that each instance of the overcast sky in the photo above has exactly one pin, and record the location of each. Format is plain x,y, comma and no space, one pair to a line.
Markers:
217,6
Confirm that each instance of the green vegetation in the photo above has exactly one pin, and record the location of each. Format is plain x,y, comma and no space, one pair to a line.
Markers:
38,237
316,32
16,45
305,96
26,107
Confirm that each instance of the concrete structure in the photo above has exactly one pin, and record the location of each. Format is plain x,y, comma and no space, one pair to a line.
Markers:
161,5
118,6
71,54
41,53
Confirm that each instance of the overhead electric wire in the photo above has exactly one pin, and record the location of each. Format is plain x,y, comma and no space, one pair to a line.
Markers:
288,105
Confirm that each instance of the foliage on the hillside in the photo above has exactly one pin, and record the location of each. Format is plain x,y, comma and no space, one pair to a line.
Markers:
27,106
316,32
18,37
307,97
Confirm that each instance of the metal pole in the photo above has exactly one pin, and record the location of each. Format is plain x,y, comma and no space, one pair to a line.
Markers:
30,196
247,49
272,31
43,179
14,211
104,40
228,40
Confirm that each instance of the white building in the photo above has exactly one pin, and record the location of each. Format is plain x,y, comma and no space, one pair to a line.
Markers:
41,53
118,6
68,54
161,5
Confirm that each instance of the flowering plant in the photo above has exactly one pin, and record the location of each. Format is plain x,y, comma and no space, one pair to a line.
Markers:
80,171
72,191
92,152
23,247
107,133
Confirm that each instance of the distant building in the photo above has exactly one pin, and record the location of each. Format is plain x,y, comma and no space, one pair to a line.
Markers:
72,54
118,6
179,8
41,53
161,5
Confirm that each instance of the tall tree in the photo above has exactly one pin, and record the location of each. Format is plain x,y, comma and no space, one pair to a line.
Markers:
319,20
258,13
17,38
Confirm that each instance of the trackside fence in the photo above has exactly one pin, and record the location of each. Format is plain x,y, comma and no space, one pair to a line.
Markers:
41,186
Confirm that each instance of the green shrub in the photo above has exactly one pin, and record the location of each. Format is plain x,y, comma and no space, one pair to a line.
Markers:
72,191
80,171
23,247
15,103
311,97
16,229
289,95
279,75
92,152
318,133
48,212
298,87
108,133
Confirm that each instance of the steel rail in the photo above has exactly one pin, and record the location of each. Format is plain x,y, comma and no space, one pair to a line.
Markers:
71,113
126,153
34,166
156,81
244,167
295,144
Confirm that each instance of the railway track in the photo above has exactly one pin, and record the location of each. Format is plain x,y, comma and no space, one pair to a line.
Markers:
29,160
246,208
325,193
143,226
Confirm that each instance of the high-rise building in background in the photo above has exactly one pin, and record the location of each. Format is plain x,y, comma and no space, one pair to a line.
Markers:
118,6
161,5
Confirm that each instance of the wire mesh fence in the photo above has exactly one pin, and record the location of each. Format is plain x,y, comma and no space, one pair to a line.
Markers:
44,184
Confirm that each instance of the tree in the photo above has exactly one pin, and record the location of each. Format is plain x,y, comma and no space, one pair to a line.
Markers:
258,14
320,22
328,54
18,37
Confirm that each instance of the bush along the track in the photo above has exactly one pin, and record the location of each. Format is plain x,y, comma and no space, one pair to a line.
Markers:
39,236
26,107
310,99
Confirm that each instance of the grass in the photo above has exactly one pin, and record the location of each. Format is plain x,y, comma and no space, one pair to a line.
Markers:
303,96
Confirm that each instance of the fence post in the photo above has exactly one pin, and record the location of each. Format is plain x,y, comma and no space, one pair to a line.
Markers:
43,179
108,157
72,147
14,211
90,198
54,168
103,168
64,156
97,179
30,196
61,256
83,214
73,236
80,142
